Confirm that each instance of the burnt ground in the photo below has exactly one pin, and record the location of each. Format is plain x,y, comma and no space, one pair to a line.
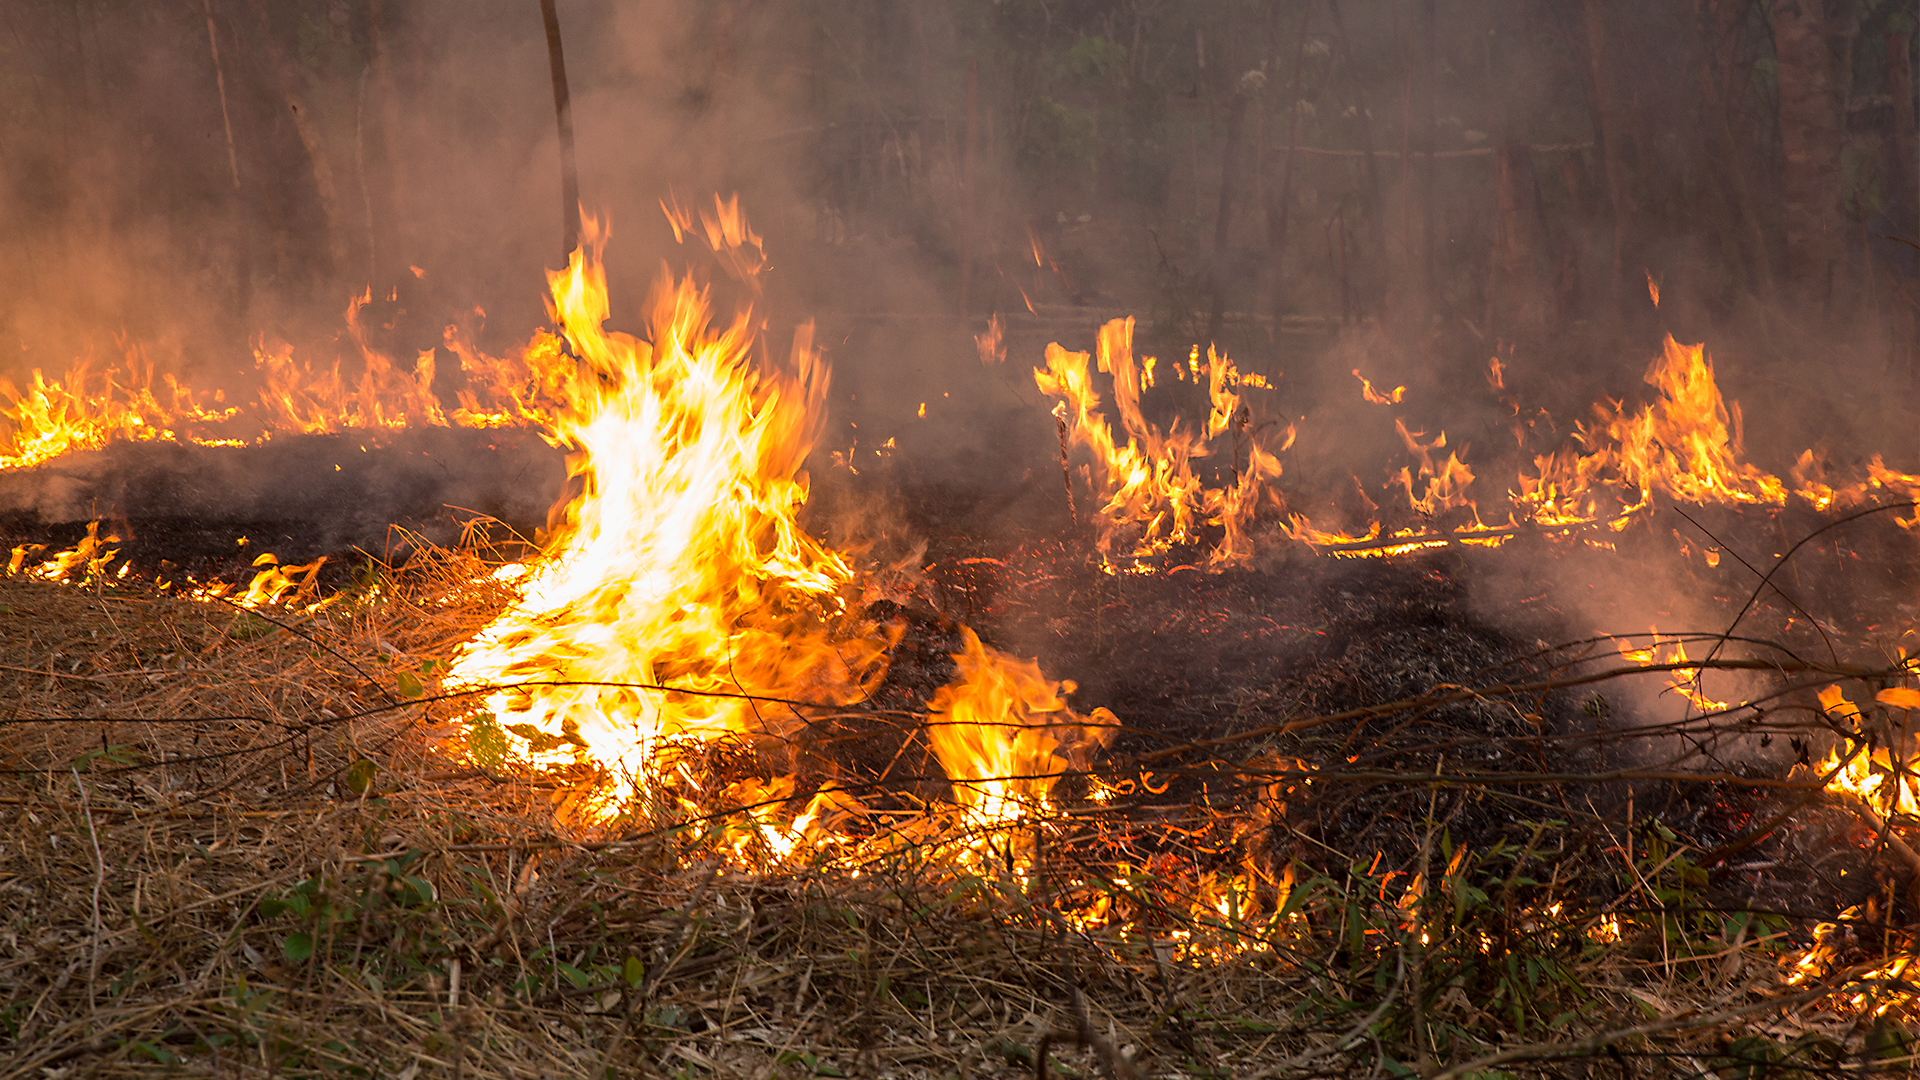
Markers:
182,511
1182,656
1185,656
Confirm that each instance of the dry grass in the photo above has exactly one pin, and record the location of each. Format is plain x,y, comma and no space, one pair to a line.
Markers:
202,875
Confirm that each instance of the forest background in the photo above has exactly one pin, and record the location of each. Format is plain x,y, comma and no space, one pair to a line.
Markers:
1423,185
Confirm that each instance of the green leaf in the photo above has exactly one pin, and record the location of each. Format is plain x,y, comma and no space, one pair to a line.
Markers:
360,776
580,979
153,1051
538,741
418,889
486,742
409,684
633,971
298,947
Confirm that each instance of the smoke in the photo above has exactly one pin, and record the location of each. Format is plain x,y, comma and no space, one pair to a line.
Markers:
1407,198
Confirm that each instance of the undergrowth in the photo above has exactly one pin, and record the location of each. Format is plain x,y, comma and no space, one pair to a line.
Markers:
258,845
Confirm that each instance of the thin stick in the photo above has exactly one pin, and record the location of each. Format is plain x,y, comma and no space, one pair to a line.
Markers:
99,880
563,111
220,80
1066,470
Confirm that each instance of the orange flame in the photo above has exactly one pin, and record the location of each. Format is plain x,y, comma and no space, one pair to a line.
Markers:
1151,499
1376,397
678,585
1004,734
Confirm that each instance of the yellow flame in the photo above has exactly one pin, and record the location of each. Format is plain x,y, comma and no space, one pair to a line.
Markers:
681,564
1150,496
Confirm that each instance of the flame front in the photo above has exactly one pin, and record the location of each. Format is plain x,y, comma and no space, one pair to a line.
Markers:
678,586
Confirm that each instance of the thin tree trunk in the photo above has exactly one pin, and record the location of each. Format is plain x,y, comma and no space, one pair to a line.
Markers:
1715,64
243,240
1337,262
969,204
1402,303
311,140
1280,199
1223,220
1810,138
1906,169
1372,193
563,111
391,198
1428,196
1514,301
1612,152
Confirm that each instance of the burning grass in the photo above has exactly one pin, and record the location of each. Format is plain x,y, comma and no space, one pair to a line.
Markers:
252,842
679,793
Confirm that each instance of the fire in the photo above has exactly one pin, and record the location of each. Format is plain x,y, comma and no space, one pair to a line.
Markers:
1880,776
87,408
1003,733
1685,681
1684,446
1151,499
678,586
1375,397
679,602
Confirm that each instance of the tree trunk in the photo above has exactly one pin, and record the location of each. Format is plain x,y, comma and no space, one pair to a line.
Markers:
1811,122
1906,169
243,212
969,206
392,199
1430,208
1372,172
1716,67
1280,196
1515,306
563,112
282,69
1222,222
1611,136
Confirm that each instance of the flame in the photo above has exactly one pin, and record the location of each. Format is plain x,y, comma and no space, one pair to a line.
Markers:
1368,393
1151,499
678,585
1684,681
1685,445
992,343
1880,776
89,558
87,408
1004,734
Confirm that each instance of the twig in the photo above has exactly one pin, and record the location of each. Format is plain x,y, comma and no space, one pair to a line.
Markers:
1066,467
99,880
